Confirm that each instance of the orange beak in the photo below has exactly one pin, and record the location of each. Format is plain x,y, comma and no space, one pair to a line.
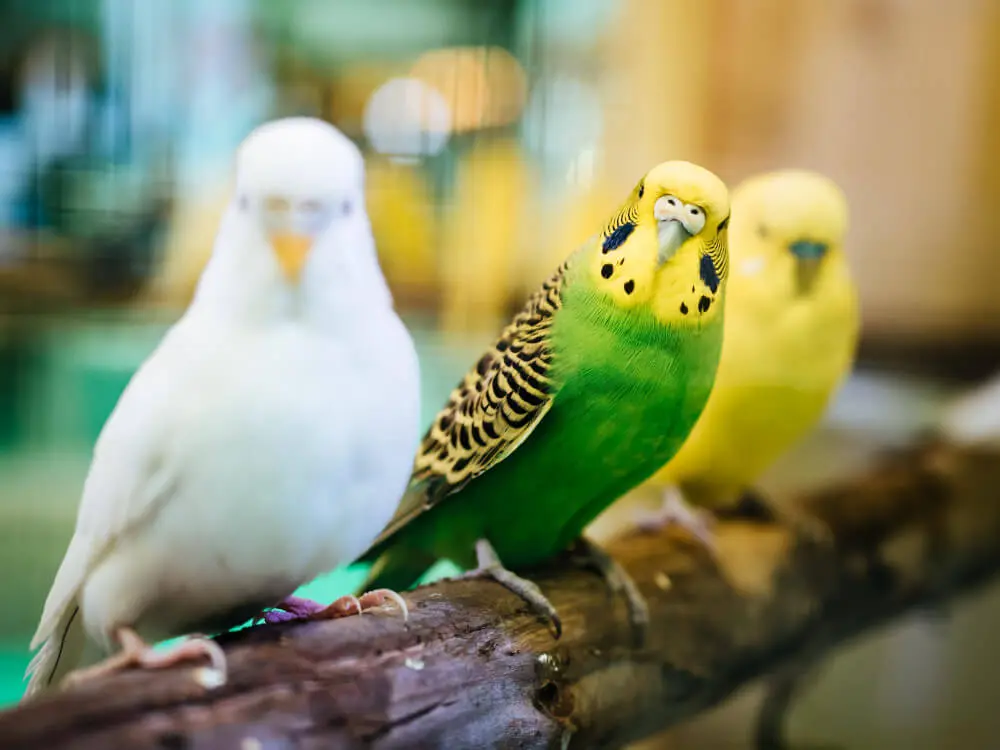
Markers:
291,251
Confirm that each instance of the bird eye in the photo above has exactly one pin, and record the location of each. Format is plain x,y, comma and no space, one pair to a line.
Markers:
697,221
276,204
671,200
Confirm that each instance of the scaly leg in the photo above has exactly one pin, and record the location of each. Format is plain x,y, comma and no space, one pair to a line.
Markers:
297,608
135,652
676,511
618,580
488,564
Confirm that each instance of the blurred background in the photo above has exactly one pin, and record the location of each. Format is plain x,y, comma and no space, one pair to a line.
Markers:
498,135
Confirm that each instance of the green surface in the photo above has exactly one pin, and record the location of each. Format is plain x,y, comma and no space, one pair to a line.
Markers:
13,662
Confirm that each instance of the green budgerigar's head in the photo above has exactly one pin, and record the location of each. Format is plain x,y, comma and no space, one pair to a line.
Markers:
790,225
667,248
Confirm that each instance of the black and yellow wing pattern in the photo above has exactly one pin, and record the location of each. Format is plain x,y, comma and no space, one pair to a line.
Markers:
491,412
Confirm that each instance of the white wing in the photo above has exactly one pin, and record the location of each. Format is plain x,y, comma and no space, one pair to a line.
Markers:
129,475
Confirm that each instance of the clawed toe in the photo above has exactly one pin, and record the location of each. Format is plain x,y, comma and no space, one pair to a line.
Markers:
489,565
675,511
349,606
345,606
378,597
619,582
135,652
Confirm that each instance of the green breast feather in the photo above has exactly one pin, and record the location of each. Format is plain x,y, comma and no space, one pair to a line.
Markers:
579,401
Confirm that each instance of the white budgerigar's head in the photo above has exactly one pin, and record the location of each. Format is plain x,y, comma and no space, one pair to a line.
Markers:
296,227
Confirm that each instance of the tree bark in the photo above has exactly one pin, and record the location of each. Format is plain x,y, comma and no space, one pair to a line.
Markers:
473,669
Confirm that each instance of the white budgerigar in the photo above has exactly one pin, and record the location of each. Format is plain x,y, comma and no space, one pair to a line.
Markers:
267,439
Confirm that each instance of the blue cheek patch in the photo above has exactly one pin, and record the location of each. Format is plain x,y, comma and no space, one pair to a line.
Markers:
617,237
806,250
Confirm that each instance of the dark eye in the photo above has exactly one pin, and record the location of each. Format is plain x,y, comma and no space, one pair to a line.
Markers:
276,204
642,189
672,201
694,211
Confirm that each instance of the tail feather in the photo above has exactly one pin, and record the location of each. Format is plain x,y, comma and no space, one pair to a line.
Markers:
397,569
60,654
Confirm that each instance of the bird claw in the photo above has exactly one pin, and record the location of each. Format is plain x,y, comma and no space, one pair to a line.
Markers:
135,652
296,608
619,581
378,597
345,606
489,565
675,511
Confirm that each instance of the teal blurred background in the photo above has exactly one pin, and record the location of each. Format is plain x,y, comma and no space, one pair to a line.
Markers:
497,135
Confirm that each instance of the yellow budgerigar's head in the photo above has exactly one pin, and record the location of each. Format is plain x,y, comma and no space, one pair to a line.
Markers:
789,225
666,248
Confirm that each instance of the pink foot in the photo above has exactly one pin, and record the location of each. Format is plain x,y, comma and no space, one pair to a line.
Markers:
347,606
293,608
135,652
676,511
297,608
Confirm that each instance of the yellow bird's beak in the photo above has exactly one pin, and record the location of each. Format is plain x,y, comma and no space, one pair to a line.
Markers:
291,251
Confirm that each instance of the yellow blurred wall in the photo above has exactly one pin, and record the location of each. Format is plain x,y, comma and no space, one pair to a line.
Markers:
898,100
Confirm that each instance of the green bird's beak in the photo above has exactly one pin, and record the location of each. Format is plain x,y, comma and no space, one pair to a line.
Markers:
671,235
810,259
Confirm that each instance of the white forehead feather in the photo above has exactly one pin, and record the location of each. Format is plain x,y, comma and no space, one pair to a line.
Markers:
298,156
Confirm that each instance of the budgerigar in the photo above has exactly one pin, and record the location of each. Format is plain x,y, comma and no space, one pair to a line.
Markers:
564,413
266,440
791,331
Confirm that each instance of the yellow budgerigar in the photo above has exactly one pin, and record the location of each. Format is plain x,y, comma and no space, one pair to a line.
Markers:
791,331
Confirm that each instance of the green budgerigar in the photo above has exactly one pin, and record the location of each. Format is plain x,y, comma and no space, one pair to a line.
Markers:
566,411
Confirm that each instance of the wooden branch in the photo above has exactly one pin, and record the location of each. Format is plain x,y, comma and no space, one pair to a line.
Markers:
471,669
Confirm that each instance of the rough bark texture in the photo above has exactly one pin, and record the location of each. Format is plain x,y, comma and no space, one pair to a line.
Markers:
472,669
